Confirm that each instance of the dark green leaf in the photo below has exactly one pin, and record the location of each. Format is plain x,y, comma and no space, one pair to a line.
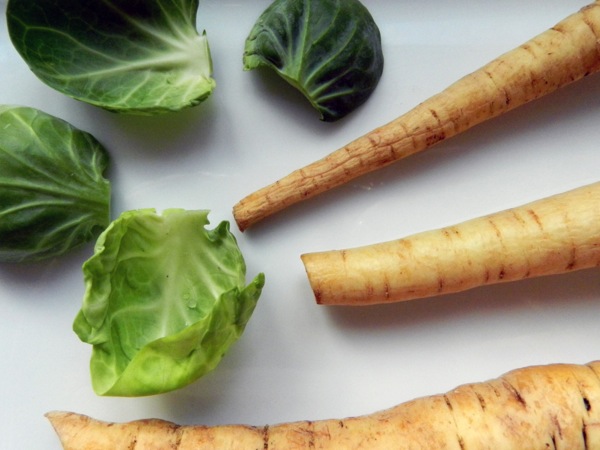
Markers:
53,195
328,49
134,56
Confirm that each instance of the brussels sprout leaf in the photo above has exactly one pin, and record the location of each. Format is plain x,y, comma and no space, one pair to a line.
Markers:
164,300
53,195
329,49
130,56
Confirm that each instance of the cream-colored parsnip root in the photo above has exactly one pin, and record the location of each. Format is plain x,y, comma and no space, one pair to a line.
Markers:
565,53
557,234
545,407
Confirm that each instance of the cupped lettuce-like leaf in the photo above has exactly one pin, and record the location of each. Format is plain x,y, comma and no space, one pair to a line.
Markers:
53,194
164,300
330,50
130,56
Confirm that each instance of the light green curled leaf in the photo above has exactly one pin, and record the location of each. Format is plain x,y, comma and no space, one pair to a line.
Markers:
130,56
165,298
53,194
330,50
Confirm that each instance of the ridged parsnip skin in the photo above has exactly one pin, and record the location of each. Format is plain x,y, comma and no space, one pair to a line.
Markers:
563,54
557,234
554,406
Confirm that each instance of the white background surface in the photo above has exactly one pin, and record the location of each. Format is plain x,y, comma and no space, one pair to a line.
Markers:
298,360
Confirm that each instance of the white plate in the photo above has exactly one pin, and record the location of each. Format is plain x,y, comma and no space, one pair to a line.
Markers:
298,360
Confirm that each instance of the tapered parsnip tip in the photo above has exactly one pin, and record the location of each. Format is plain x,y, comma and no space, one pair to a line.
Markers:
80,432
61,418
254,208
264,202
245,213
67,424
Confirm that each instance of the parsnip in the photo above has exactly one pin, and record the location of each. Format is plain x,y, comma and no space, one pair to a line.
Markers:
534,408
553,235
563,54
